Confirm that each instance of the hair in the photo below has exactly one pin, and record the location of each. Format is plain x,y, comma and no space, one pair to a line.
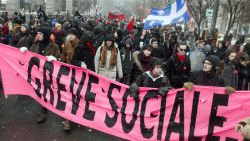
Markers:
154,62
243,57
152,40
233,50
179,43
146,47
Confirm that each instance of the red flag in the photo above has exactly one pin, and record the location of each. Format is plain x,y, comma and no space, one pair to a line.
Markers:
116,16
131,24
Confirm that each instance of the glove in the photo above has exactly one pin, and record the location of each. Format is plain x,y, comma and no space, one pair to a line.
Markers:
245,131
229,90
134,90
189,85
51,58
83,65
23,50
163,90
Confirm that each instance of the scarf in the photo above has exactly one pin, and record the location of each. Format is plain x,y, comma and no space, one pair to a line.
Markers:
113,58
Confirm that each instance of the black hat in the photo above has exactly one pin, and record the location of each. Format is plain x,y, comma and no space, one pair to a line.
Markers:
45,30
214,60
155,61
74,31
109,37
129,41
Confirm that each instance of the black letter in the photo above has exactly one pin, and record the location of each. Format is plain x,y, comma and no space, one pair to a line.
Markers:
90,97
111,121
76,97
146,133
193,118
34,61
64,70
127,127
162,114
47,82
218,99
173,126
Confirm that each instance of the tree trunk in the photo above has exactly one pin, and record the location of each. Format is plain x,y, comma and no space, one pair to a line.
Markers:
199,28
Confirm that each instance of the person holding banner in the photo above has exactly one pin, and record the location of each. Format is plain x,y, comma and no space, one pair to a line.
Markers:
71,43
208,76
42,45
153,78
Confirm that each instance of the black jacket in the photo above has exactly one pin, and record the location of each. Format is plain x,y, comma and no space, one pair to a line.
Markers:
202,78
83,54
178,72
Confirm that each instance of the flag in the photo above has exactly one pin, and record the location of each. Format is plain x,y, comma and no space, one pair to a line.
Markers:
131,24
116,16
174,13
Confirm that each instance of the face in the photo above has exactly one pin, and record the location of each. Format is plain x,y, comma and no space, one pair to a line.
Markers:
207,66
155,44
220,45
23,29
201,44
182,49
72,37
232,56
109,43
39,36
147,52
157,70
128,45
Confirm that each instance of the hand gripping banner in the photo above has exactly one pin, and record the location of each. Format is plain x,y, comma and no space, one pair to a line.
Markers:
91,100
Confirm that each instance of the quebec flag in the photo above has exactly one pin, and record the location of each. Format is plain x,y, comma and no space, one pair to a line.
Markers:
174,13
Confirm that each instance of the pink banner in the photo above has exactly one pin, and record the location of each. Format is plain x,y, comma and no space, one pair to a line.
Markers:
94,101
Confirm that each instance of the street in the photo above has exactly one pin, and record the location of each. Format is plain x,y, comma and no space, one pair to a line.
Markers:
18,123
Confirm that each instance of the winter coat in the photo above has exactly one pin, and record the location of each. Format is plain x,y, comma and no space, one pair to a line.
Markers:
146,80
127,63
196,58
205,79
25,41
178,72
139,66
82,54
159,53
107,70
220,52
59,36
243,76
68,50
230,76
46,49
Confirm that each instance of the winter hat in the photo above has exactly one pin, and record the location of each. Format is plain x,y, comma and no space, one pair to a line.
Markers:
74,31
129,41
214,60
109,37
45,30
26,26
155,61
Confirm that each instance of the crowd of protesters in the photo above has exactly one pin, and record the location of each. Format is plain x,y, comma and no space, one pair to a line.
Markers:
162,57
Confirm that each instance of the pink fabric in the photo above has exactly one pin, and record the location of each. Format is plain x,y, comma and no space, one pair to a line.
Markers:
97,96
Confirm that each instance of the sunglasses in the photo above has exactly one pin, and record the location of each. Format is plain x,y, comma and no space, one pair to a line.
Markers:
183,50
